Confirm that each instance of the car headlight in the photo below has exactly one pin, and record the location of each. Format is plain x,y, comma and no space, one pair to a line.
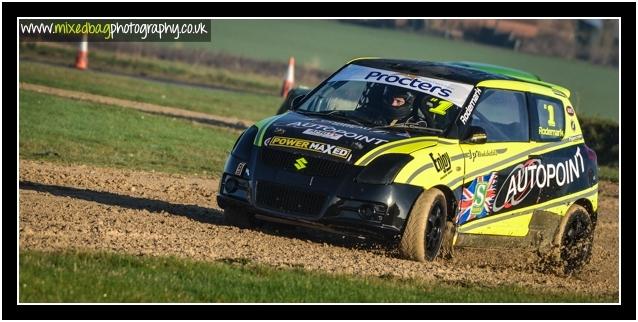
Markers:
383,169
244,144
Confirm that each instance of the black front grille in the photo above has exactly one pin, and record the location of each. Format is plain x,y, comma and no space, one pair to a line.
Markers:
289,199
314,167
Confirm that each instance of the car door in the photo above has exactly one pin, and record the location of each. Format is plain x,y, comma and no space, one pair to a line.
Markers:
488,189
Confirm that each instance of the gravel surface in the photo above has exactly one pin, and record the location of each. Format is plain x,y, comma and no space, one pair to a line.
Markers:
152,214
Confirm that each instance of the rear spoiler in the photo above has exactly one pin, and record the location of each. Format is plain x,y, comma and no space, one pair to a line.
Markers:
557,88
513,73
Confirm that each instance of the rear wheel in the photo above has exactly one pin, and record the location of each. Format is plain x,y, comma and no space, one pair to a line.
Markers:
425,228
238,217
575,238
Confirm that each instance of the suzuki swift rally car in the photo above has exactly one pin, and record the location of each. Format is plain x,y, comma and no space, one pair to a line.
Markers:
430,154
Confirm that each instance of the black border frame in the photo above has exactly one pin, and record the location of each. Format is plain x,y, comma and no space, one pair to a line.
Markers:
626,310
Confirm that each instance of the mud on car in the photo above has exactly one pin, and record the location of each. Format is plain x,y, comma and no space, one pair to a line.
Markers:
428,154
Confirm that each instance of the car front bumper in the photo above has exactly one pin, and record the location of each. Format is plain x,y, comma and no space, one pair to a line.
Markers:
331,203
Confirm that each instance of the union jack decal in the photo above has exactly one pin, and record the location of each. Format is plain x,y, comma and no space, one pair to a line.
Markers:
477,198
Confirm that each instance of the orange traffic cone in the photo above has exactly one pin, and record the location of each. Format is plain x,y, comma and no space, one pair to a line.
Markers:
82,60
290,78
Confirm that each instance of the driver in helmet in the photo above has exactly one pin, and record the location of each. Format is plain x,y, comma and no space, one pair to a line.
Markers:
395,107
397,104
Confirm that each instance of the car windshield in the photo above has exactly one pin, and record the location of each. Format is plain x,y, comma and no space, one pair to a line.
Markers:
380,98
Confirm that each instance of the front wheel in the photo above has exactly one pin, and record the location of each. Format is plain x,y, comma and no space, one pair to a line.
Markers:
425,228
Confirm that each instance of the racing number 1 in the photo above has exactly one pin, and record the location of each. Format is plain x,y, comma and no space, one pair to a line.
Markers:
550,109
442,108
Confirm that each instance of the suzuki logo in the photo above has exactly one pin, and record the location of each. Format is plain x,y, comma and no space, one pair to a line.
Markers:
300,163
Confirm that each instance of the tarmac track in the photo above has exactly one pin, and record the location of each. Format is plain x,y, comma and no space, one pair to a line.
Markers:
89,208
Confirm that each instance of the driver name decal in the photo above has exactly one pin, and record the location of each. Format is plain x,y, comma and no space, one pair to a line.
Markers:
470,107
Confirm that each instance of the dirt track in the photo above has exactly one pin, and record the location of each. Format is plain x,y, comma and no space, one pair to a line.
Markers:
143,213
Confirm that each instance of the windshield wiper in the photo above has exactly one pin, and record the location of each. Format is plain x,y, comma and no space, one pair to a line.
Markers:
410,127
337,114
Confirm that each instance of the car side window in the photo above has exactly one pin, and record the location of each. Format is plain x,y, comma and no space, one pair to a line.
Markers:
503,115
548,118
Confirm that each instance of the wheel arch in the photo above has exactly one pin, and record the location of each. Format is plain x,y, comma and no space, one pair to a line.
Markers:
450,200
586,203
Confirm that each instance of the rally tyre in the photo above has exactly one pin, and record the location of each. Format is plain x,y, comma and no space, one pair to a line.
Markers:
238,217
425,228
574,238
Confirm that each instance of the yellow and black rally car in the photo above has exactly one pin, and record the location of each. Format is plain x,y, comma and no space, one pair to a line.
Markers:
430,154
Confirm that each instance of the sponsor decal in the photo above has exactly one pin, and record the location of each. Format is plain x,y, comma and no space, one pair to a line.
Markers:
470,106
279,130
573,125
300,163
357,145
240,168
534,174
477,198
550,132
570,110
326,128
308,145
472,155
323,134
575,137
442,162
352,126
451,91
414,82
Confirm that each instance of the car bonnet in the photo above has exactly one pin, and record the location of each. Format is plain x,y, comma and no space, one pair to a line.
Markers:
315,136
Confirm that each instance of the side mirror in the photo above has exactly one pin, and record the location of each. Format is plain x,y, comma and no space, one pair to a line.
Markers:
476,135
295,102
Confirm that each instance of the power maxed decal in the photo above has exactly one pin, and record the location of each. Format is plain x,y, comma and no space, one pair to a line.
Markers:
300,144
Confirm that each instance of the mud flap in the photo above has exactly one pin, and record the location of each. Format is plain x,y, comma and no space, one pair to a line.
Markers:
542,230
447,245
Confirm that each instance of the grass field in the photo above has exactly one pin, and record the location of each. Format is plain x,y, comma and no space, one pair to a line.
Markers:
247,106
131,64
594,88
102,277
608,173
68,131
329,44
